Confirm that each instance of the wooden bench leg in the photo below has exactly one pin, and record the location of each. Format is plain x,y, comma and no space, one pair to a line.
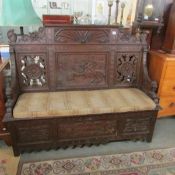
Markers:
149,138
16,151
6,137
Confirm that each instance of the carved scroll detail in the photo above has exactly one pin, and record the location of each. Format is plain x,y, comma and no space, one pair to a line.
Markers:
127,37
33,70
126,68
149,86
34,37
81,36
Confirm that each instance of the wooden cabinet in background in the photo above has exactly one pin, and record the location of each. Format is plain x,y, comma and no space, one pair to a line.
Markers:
169,43
162,69
4,135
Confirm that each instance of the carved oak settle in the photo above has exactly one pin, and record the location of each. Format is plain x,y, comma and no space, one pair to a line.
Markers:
69,57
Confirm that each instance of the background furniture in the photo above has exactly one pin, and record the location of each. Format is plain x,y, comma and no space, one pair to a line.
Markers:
162,69
156,29
169,43
57,19
3,131
77,57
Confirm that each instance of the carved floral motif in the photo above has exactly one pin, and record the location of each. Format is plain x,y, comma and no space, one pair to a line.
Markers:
81,36
37,36
12,36
34,37
127,37
33,70
126,67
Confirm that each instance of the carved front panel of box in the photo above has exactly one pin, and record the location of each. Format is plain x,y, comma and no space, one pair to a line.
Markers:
82,70
126,69
133,126
32,70
87,129
33,133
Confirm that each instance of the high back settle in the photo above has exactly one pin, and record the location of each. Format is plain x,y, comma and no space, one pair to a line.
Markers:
78,57
77,66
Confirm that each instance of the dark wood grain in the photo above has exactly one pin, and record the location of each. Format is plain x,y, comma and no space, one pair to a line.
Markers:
69,57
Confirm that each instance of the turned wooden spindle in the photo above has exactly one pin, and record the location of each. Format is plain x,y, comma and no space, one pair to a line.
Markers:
122,13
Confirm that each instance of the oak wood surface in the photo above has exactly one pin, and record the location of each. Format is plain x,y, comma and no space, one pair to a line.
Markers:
77,57
168,104
162,69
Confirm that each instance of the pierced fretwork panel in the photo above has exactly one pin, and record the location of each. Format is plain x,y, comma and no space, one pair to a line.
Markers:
32,70
126,70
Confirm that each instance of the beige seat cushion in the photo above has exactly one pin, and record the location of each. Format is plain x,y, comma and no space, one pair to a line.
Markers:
72,103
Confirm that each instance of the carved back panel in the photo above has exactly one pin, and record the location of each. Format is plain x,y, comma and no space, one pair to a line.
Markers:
77,57
81,70
127,68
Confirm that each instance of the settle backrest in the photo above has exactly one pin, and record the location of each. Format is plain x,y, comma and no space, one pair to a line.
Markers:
70,57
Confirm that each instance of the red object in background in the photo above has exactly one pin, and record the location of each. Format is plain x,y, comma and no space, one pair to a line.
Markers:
57,19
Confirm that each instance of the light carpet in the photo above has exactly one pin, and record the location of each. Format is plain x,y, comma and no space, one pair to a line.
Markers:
8,163
153,162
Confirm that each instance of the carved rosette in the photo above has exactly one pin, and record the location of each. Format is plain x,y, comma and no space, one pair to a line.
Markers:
33,70
81,36
126,68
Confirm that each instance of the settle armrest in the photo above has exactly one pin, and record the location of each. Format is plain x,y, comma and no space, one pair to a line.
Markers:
149,86
12,91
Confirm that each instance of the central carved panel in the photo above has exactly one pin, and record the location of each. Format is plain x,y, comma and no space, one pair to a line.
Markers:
81,70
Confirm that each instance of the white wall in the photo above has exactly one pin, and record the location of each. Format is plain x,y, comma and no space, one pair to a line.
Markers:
87,6
90,7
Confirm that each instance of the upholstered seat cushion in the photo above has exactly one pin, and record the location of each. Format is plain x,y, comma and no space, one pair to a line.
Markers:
72,103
